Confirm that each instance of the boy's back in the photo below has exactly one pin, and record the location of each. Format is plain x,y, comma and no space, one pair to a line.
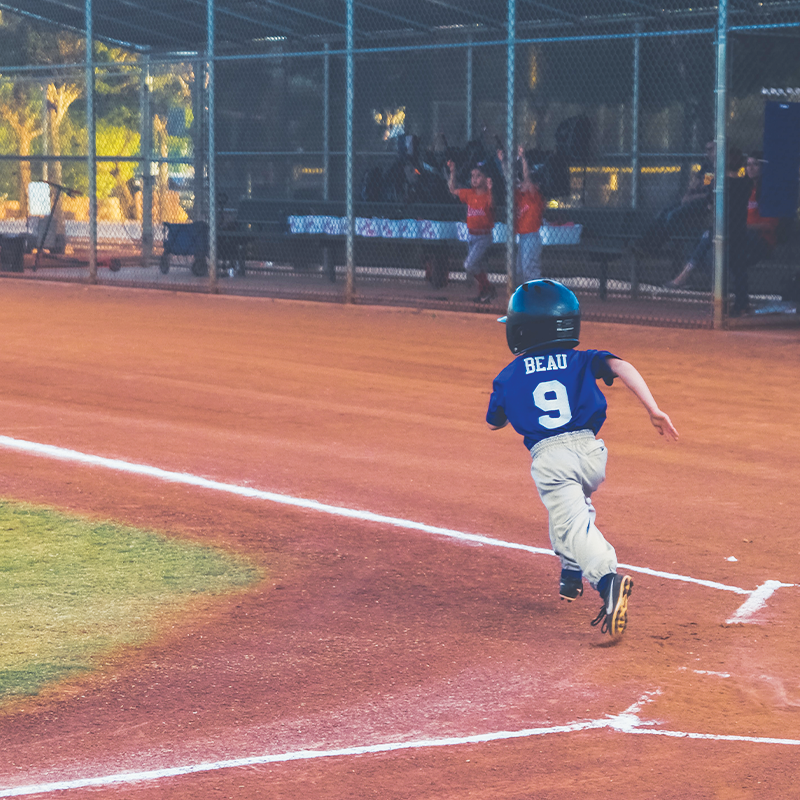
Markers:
551,392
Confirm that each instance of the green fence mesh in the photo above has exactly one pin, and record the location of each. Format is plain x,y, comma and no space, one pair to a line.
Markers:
305,150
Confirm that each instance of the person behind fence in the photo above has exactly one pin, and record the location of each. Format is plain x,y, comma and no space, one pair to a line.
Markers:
528,214
480,224
477,151
690,213
761,232
738,189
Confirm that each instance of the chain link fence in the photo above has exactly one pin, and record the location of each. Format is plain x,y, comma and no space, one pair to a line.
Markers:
329,151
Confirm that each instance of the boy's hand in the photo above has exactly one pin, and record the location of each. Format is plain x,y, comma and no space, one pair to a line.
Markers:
663,424
451,165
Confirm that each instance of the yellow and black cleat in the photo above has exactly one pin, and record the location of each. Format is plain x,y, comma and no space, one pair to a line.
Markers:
614,613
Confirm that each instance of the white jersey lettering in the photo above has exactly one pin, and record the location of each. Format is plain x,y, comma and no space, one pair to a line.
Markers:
537,363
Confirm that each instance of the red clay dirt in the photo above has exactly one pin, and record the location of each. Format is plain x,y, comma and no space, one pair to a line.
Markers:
363,633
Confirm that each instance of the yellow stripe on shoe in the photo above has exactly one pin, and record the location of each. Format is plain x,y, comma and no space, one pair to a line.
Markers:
614,613
618,619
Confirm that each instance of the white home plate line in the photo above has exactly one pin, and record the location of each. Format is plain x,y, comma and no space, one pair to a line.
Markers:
757,598
626,722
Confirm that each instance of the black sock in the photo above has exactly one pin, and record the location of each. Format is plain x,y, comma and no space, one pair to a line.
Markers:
605,582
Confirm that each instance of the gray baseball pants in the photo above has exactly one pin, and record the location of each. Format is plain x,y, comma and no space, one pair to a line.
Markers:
478,245
567,469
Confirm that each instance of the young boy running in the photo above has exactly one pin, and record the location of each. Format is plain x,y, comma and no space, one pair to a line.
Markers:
480,223
550,396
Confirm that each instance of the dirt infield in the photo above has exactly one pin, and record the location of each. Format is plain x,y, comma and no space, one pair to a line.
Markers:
452,659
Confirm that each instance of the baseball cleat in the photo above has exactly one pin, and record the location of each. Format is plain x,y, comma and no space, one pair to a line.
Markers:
570,587
614,613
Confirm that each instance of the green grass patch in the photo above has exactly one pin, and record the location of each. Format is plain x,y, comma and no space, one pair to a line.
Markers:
72,590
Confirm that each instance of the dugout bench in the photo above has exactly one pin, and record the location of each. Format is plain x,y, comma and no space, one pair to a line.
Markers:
262,232
264,223
605,239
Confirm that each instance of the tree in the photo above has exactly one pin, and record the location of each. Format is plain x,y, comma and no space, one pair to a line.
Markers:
62,50
117,84
23,42
20,104
170,89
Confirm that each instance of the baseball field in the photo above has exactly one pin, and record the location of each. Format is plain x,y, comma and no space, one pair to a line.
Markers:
341,580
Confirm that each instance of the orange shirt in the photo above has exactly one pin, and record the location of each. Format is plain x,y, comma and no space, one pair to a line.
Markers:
480,211
529,210
769,231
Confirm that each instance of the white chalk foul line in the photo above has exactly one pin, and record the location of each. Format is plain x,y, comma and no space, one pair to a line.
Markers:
299,755
755,601
626,722
717,737
685,578
64,454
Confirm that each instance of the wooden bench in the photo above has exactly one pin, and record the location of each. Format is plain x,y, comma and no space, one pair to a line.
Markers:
605,239
605,236
766,277
265,223
262,230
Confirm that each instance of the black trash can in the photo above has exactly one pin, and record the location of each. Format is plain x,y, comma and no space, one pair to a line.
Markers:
12,253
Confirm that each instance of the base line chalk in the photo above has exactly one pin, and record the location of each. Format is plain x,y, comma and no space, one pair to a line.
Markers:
299,755
626,722
64,454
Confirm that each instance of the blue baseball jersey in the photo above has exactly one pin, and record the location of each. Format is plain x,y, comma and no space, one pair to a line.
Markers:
547,393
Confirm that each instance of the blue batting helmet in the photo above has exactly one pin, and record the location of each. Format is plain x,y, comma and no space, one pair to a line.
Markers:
542,314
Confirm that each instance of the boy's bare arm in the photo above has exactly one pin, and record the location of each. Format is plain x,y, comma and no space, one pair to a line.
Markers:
630,376
527,184
451,181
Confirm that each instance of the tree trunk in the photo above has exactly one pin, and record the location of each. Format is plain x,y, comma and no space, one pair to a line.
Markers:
24,178
162,179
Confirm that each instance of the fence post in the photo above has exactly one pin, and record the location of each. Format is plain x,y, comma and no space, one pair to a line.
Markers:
351,223
328,266
470,89
721,139
198,136
326,121
637,69
510,159
146,148
91,143
210,152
